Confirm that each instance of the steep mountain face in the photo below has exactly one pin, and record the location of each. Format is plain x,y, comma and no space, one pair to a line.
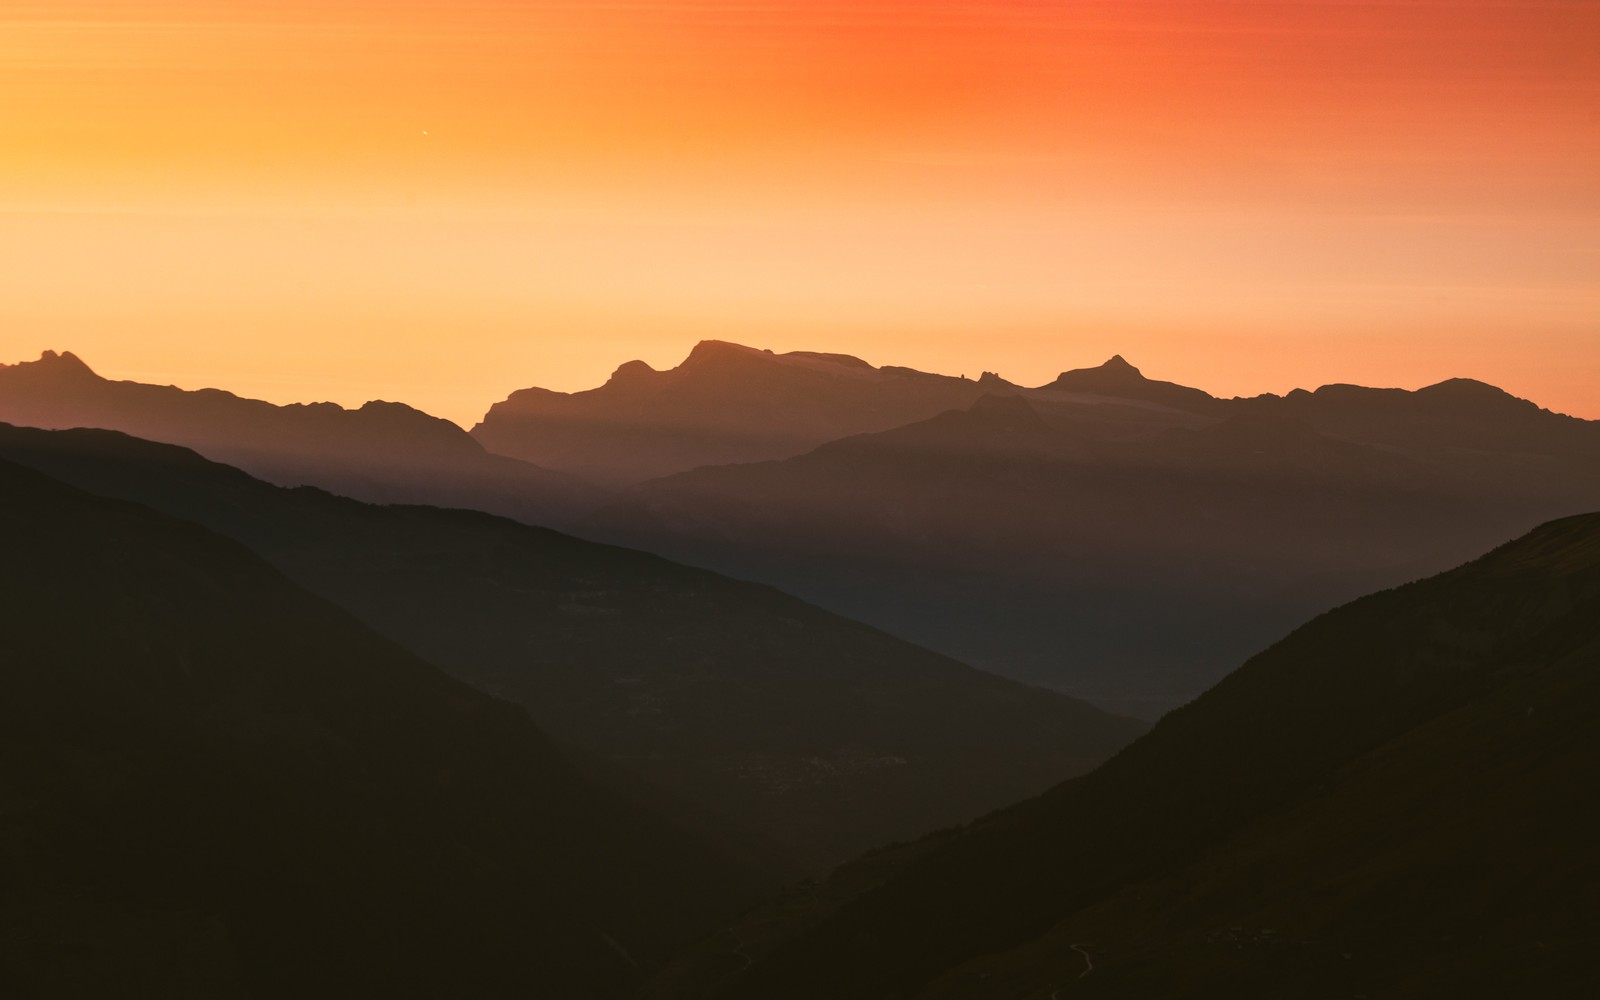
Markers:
725,403
1391,801
1126,551
383,452
821,735
215,784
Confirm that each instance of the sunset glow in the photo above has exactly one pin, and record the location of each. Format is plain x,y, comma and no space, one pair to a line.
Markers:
443,202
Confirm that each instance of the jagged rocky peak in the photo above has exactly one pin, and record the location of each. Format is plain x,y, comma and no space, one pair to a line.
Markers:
61,363
1118,378
1117,368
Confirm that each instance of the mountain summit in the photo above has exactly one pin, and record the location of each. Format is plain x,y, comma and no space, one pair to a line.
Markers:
1118,378
56,365
726,403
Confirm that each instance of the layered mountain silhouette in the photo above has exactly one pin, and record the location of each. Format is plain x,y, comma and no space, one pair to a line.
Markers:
1122,539
725,403
1392,801
382,452
1116,537
819,735
214,784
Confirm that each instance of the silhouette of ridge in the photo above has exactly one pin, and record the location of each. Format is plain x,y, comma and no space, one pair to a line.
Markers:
1154,544
725,403
721,352
62,364
382,451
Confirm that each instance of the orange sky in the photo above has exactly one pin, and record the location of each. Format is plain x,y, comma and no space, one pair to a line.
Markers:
441,202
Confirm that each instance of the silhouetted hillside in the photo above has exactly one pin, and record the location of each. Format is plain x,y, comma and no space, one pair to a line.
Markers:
383,452
822,735
214,784
1392,801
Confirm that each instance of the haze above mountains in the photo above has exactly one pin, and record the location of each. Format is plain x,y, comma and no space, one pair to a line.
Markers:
1117,538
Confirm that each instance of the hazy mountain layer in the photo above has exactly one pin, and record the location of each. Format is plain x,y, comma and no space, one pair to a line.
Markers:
820,734
725,403
215,784
383,452
1392,801
1126,548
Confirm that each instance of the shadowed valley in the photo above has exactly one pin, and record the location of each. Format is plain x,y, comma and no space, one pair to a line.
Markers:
1391,801
820,736
214,784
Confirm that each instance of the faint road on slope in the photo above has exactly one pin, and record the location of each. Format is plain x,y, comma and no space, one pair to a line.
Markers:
1088,967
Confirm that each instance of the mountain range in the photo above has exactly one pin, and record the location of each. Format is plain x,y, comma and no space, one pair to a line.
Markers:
725,404
814,736
382,452
1117,538
1114,537
265,740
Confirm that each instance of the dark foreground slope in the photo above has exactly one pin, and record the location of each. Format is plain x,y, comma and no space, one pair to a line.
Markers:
214,784
1394,801
382,452
819,734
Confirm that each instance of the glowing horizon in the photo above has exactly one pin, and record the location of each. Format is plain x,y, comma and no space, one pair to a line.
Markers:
442,203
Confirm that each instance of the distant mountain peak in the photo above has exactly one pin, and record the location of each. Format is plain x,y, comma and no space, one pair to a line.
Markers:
1115,371
1118,378
1467,389
1457,395
720,352
630,370
64,363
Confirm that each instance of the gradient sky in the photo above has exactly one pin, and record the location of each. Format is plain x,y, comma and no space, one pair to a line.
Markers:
442,202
